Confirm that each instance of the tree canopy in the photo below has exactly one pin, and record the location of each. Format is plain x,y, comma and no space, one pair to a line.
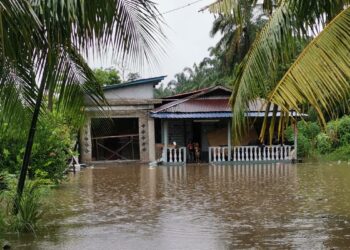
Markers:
107,76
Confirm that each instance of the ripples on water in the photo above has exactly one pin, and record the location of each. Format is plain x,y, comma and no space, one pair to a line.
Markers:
199,207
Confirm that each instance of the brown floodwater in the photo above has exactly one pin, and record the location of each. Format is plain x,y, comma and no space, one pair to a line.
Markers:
258,206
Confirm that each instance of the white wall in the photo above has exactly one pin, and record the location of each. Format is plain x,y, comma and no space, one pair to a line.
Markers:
131,92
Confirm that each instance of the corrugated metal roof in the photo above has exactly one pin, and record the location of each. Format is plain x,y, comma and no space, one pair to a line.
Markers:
196,106
190,93
210,115
207,105
164,107
153,80
201,105
192,115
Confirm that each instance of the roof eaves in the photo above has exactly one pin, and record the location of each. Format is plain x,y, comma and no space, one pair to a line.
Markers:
171,104
153,80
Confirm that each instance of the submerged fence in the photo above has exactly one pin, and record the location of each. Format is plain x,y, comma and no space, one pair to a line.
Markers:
251,153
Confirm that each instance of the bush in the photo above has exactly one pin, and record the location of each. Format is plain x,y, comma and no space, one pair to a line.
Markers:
30,207
332,132
11,153
304,146
341,153
323,143
289,134
309,129
52,148
344,130
307,132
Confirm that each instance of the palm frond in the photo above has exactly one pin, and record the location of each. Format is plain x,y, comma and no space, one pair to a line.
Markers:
321,74
131,27
258,73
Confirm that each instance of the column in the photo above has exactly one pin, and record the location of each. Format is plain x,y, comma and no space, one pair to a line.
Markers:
143,137
151,140
86,142
165,139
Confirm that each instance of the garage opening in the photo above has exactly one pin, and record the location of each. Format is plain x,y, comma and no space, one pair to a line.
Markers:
115,139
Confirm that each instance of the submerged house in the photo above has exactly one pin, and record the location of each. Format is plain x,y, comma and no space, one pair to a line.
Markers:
138,127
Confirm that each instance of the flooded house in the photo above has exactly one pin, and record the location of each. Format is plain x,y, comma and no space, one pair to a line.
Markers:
138,127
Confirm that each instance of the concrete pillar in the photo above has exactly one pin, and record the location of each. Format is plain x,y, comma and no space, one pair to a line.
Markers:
144,138
86,142
165,138
151,140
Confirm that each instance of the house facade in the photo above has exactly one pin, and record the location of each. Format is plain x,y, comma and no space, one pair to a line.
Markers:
138,127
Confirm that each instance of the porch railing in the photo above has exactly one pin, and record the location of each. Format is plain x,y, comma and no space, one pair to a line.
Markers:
174,155
250,153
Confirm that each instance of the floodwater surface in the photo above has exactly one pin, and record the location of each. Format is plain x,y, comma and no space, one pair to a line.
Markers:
273,206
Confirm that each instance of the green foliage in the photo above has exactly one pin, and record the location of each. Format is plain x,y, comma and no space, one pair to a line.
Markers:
304,146
11,153
332,143
323,143
53,146
341,153
107,76
289,134
344,130
30,207
307,133
332,132
309,129
133,76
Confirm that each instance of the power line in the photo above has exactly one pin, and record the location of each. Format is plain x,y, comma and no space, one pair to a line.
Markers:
182,7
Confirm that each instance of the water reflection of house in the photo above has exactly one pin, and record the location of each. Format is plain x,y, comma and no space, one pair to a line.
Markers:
137,126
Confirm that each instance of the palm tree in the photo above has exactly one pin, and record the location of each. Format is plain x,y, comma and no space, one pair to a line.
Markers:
237,34
318,75
41,48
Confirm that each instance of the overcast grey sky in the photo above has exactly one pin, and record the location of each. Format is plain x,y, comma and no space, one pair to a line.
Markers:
187,31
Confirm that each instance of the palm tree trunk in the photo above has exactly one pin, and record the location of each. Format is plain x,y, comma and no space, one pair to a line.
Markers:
30,141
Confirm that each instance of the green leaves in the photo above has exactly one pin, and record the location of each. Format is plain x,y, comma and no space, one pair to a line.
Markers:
42,41
321,74
258,72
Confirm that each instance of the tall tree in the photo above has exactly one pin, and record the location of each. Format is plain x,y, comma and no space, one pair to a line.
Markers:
41,46
318,75
133,76
107,76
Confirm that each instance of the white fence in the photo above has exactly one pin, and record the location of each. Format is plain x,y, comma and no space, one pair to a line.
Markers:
174,155
250,153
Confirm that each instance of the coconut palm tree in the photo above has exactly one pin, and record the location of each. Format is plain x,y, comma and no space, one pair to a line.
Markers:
318,75
42,43
236,34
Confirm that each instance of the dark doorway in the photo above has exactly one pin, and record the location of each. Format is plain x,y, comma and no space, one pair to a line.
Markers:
197,134
115,139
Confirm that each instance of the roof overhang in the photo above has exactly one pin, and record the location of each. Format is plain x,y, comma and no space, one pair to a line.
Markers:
211,115
154,81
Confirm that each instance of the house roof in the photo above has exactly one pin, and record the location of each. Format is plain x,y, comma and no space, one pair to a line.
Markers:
206,104
213,115
190,93
200,105
154,81
175,103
